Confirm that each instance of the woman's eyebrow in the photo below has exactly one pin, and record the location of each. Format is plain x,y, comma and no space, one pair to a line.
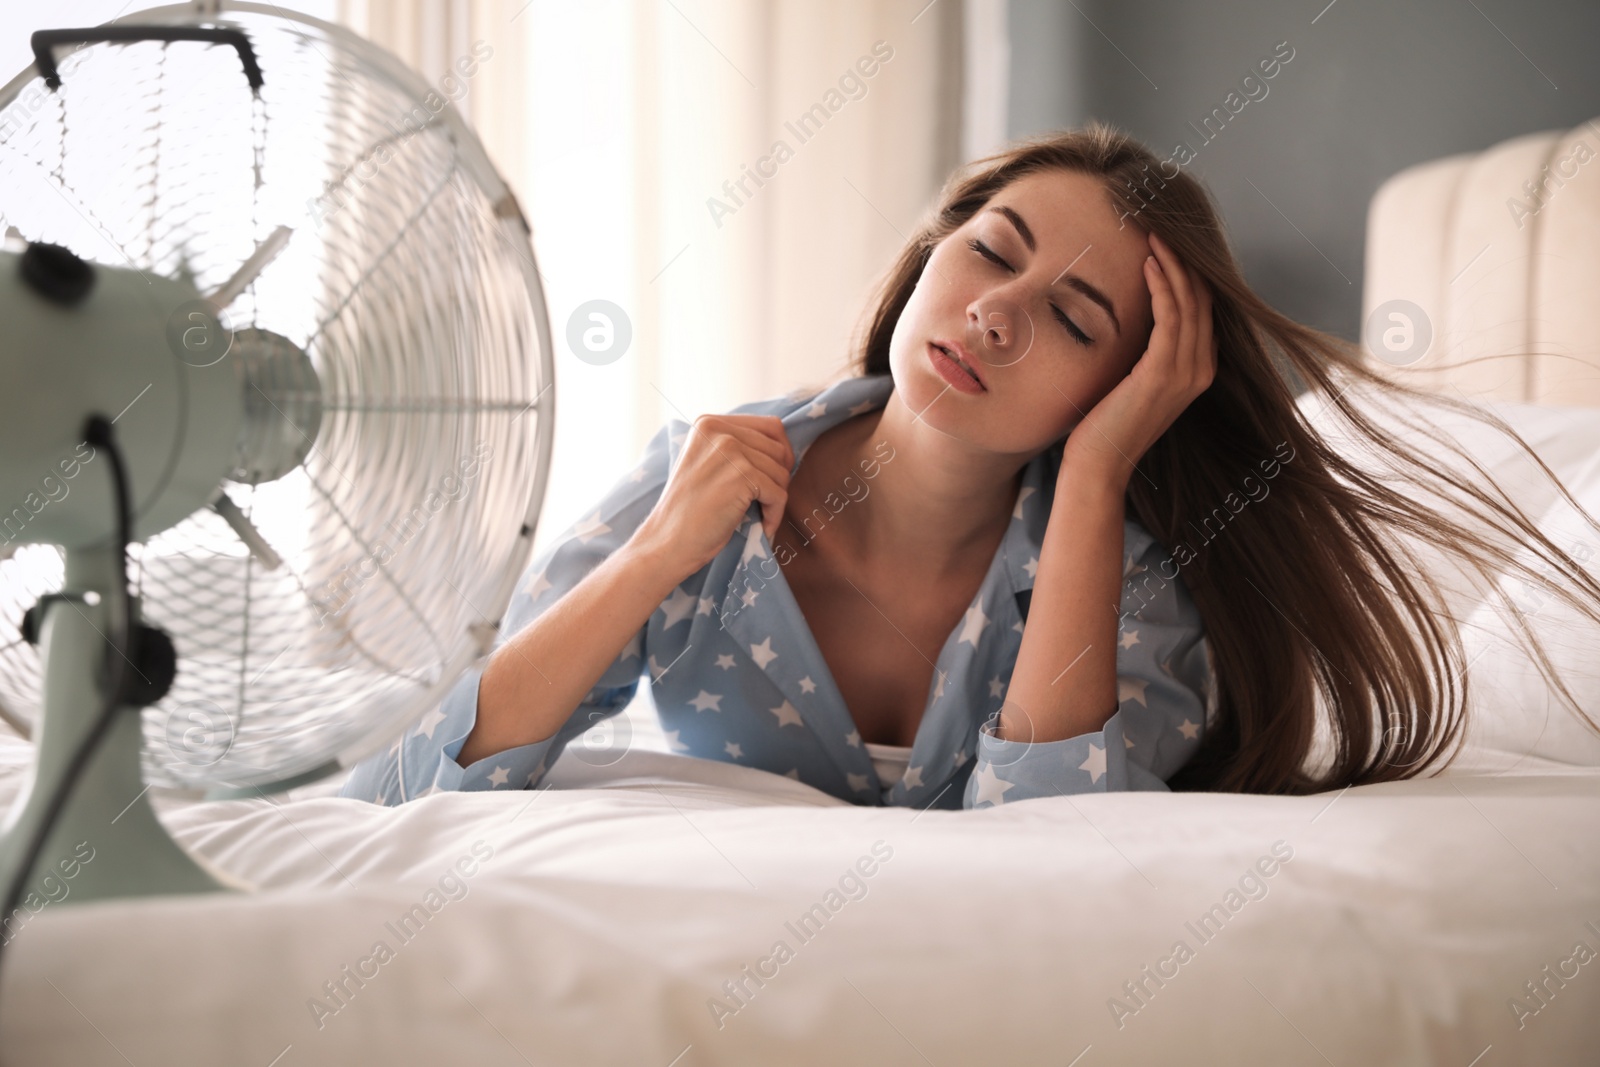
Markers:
1072,280
1094,294
1022,227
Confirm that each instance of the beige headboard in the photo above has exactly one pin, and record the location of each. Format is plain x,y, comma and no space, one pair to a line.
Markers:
1493,252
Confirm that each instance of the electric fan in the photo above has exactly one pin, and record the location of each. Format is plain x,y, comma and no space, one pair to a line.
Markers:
261,281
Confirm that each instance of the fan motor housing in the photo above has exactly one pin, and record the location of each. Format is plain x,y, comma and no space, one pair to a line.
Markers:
177,422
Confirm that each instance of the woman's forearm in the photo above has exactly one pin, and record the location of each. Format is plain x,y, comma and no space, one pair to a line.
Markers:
1065,679
533,682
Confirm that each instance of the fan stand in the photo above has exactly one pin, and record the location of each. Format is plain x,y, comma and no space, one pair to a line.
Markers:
109,810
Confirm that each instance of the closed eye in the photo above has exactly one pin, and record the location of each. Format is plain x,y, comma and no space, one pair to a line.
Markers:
1072,328
988,253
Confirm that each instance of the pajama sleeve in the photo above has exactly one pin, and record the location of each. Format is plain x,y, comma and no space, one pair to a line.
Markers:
1163,695
423,759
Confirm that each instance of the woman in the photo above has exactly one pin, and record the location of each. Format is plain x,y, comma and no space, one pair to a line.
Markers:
1064,390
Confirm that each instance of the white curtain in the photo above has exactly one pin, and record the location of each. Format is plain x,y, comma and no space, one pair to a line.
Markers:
443,40
634,133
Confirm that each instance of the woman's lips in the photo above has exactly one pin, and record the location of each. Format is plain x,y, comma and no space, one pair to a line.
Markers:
948,360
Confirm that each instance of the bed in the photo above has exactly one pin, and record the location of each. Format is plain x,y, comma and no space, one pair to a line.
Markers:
675,912
604,924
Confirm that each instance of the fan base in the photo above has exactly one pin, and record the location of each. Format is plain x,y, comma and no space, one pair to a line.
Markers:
108,841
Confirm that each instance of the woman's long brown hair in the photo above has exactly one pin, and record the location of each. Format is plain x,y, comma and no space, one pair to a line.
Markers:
1309,596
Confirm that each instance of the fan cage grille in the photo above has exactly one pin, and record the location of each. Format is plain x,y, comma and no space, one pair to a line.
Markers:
415,295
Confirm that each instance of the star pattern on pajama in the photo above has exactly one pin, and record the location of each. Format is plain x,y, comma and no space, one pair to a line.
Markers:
735,673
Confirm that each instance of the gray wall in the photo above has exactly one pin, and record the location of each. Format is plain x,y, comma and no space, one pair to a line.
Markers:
1374,86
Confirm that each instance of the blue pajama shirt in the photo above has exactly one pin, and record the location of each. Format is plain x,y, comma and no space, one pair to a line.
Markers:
736,675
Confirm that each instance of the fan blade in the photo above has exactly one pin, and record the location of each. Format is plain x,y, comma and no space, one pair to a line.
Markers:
250,269
247,531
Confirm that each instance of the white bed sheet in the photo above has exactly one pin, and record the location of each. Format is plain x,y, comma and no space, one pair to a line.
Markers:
611,913
616,905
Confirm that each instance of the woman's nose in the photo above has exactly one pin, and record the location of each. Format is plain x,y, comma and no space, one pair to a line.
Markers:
999,330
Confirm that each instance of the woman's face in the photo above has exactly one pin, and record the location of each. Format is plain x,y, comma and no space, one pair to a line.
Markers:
1043,291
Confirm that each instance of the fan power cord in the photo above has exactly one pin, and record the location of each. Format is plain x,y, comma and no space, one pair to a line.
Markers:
97,432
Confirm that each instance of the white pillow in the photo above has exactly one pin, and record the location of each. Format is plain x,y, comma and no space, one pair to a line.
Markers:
1516,721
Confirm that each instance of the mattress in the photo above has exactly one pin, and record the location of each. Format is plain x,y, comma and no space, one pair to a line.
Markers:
677,912
683,912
